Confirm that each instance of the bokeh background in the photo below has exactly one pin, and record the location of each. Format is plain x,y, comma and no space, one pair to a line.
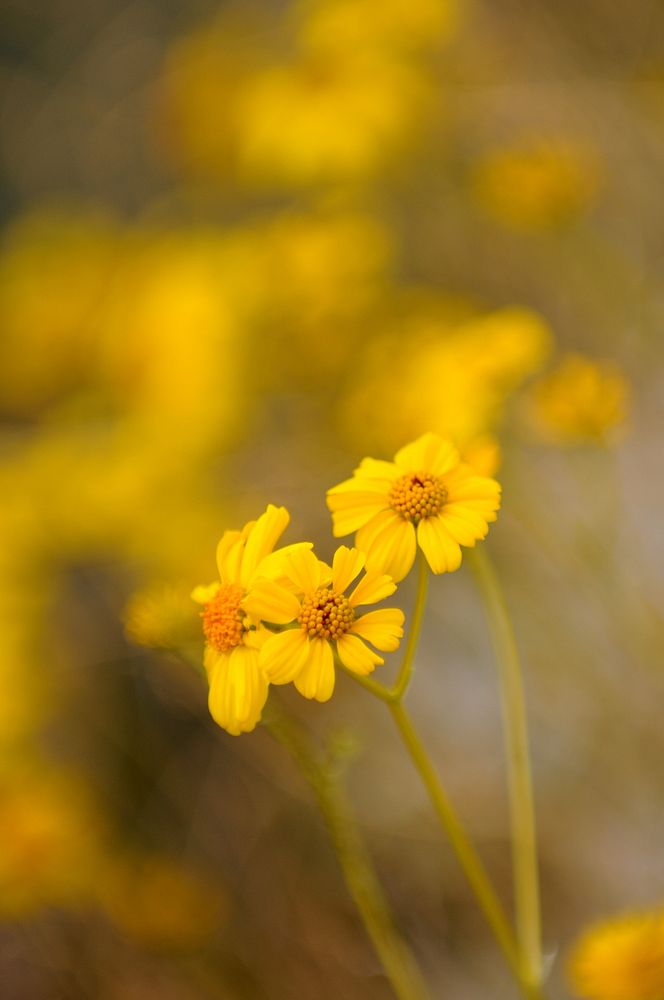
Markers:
243,246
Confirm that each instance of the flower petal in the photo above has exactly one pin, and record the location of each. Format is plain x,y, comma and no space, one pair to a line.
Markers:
382,628
393,550
441,550
371,588
465,526
272,565
316,679
238,691
230,542
346,565
430,453
269,602
211,657
357,656
375,469
462,485
283,655
302,570
262,538
229,556
353,508
204,592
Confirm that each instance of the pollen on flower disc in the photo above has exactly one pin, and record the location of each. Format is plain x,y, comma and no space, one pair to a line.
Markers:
326,614
222,618
417,495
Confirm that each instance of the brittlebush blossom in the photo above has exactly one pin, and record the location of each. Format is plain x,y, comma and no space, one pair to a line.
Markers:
327,622
233,612
426,497
620,959
580,401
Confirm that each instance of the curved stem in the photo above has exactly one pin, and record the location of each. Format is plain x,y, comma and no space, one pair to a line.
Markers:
468,859
397,692
471,864
406,668
361,879
524,841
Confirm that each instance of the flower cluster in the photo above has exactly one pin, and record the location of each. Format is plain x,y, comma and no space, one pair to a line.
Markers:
281,615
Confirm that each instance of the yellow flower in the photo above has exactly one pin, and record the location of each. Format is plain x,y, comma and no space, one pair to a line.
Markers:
159,616
620,959
52,838
327,622
316,119
337,26
483,454
537,183
133,891
233,610
580,401
442,368
426,497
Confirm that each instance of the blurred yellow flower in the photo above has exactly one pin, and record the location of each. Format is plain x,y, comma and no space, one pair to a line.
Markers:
441,371
319,119
483,454
582,400
327,622
169,339
620,959
56,270
301,102
426,497
314,275
160,903
536,184
51,839
159,616
384,25
233,610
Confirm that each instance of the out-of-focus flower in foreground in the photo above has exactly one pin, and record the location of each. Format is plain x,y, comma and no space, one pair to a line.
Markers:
327,622
581,401
233,611
620,959
536,184
426,497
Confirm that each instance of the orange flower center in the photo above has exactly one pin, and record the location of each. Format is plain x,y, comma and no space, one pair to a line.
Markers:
417,495
326,614
223,618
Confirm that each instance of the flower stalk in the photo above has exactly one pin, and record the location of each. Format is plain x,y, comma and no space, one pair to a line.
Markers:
522,811
324,780
460,842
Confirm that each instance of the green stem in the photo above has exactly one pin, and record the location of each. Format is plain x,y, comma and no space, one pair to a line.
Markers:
323,778
406,669
397,692
466,855
524,842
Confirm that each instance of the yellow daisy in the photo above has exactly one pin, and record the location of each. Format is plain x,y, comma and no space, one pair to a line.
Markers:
233,611
620,959
426,497
327,622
